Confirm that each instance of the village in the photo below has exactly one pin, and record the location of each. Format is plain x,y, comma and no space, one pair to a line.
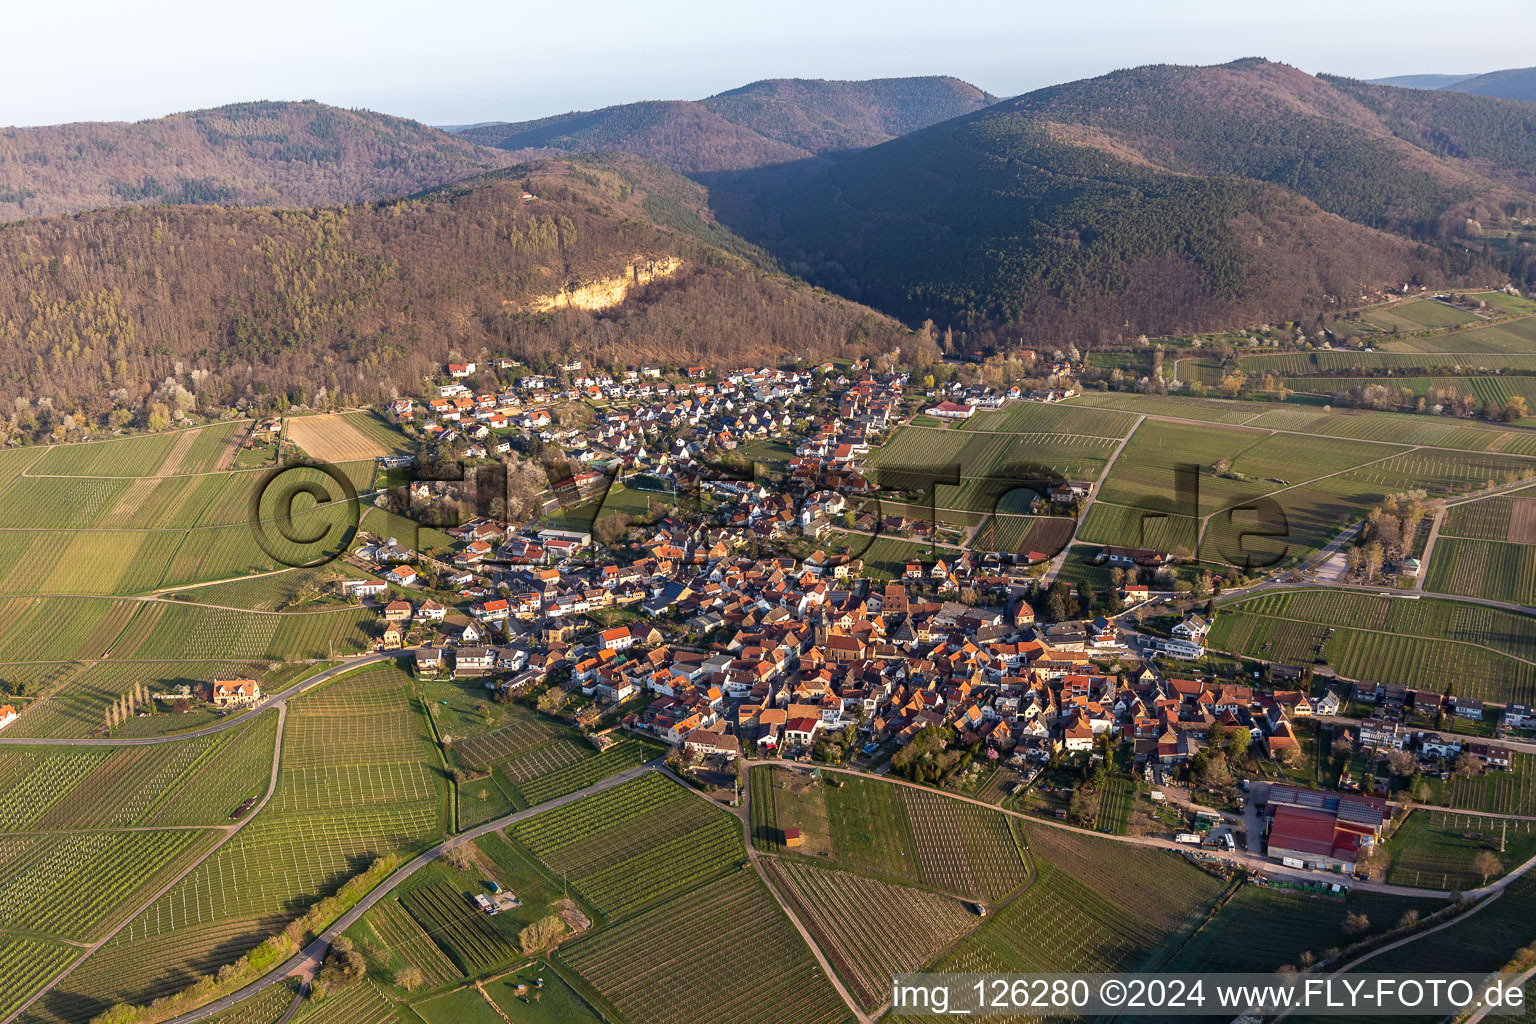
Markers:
727,615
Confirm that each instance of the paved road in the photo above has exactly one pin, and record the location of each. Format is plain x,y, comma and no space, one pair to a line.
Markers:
308,959
268,702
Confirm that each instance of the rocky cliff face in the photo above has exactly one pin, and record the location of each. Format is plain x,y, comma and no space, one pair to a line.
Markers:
607,292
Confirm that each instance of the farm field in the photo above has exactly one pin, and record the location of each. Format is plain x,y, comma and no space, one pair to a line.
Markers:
26,965
1435,849
1511,792
1483,568
887,831
331,438
353,787
1294,922
634,845
869,930
464,933
749,966
556,1002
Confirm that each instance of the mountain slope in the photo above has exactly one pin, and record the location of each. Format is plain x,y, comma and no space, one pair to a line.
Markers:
778,121
248,154
1510,84
1421,81
1152,200
1491,137
608,257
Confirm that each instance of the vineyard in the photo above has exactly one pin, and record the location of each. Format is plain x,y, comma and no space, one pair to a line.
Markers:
1511,792
398,930
194,782
1162,890
1413,642
40,876
80,707
1486,518
621,756
1417,315
265,1007
963,848
140,970
634,845
1294,922
1484,568
486,750
730,955
1435,849
459,927
1209,409
359,1004
25,966
869,930
1058,924
355,749
1490,936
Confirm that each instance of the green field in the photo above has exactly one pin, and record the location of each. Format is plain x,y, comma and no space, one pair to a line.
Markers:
1425,642
1435,849
1511,792
358,781
870,930
1263,928
897,833
634,845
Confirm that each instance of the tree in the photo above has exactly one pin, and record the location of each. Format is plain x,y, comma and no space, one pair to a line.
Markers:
1515,408
1083,808
1486,864
1356,924
409,978
1467,763
542,934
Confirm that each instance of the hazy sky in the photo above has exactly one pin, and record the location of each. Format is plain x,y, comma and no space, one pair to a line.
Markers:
484,60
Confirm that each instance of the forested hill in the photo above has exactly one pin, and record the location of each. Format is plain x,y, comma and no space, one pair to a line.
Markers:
1509,84
1158,199
249,154
772,122
102,313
